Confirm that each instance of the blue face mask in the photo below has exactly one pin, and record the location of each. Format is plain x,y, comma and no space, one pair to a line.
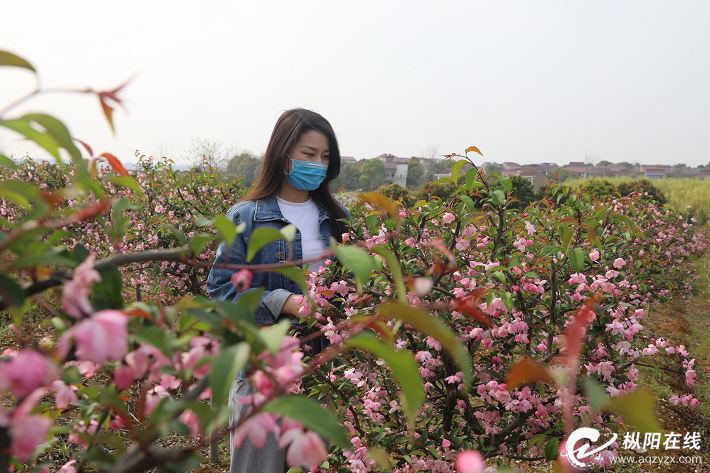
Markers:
306,176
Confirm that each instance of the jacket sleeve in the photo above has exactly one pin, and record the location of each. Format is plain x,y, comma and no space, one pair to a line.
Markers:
220,287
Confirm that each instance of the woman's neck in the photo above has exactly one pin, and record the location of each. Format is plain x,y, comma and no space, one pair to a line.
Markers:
291,194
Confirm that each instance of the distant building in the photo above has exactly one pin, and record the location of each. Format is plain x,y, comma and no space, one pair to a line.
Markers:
655,172
397,169
656,168
702,175
347,160
577,167
547,167
534,174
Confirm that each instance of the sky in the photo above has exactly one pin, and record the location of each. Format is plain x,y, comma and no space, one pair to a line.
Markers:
527,82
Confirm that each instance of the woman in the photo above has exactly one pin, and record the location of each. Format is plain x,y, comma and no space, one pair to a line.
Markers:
300,161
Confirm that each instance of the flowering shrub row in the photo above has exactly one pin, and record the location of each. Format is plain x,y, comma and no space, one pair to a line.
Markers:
509,285
490,333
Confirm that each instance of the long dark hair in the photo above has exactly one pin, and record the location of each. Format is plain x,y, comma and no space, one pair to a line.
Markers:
291,125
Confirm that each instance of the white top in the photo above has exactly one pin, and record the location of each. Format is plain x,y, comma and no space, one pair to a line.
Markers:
305,216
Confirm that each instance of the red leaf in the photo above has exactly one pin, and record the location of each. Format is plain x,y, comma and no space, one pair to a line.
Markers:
379,200
525,372
115,164
91,211
575,332
468,306
380,327
473,148
108,111
438,268
440,244
51,198
88,148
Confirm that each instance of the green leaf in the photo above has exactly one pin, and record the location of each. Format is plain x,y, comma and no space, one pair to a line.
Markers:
637,409
595,393
381,456
178,234
213,319
273,335
224,369
456,170
240,312
44,259
198,243
471,182
43,139
156,337
577,258
395,271
507,183
551,448
311,415
11,292
107,293
109,397
470,205
548,250
497,197
7,162
261,237
507,300
71,375
57,130
289,232
567,234
120,219
9,59
431,326
629,223
443,180
251,299
127,182
295,274
356,260
226,228
404,368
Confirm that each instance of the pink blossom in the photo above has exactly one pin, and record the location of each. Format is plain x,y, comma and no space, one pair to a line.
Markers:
26,433
28,371
80,431
116,422
530,228
470,461
594,255
618,263
123,377
190,419
448,217
305,448
423,285
75,300
153,398
68,467
66,394
100,338
242,280
256,428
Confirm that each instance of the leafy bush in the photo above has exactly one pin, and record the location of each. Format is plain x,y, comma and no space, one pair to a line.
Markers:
452,322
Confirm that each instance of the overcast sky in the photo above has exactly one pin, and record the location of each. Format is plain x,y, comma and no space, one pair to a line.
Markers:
524,81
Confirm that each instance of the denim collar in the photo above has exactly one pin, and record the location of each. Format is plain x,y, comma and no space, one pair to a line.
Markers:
268,210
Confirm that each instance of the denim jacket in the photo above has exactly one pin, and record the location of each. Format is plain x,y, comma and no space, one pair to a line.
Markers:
277,287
